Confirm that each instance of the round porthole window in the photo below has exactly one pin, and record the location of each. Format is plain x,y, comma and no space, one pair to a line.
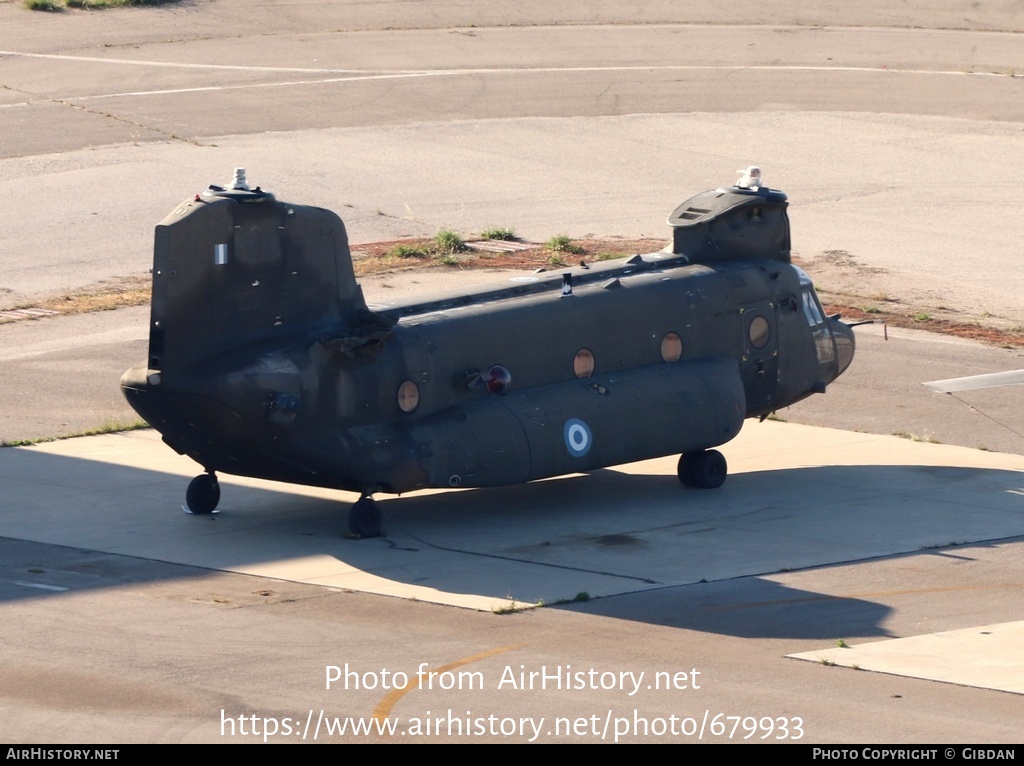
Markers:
583,363
758,332
671,347
408,396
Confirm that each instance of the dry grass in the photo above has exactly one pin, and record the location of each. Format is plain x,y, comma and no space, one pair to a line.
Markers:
106,427
421,254
907,317
88,5
383,257
117,293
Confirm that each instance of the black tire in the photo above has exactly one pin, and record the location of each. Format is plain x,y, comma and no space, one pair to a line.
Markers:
364,518
709,469
203,494
685,468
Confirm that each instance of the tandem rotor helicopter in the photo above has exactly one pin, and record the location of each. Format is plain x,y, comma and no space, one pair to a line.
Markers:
265,360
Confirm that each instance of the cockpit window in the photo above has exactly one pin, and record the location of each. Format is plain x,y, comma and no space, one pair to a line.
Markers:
811,310
824,346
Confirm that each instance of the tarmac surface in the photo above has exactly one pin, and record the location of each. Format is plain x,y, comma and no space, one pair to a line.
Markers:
896,133
610,532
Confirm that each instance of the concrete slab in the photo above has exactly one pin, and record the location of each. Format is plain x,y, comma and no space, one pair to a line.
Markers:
539,176
987,657
797,497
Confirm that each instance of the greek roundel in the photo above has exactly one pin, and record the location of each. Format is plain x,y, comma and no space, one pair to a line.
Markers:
577,437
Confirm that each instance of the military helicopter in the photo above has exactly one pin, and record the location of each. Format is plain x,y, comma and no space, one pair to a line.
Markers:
265,360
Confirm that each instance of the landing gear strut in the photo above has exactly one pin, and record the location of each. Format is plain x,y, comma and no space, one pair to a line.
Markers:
706,470
364,518
203,493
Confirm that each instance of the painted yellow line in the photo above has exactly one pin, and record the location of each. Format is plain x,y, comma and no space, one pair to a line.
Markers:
385,706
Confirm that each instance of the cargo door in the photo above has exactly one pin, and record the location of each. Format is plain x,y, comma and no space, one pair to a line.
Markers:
759,360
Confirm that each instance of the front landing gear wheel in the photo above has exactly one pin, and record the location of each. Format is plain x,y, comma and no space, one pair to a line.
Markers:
364,518
705,470
203,494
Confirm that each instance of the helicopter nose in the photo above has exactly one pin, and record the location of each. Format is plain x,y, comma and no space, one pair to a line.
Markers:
845,344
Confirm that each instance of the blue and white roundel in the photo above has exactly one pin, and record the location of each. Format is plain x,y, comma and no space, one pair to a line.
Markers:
577,437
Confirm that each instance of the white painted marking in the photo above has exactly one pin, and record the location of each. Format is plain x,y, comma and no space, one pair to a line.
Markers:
170,64
364,75
971,382
40,586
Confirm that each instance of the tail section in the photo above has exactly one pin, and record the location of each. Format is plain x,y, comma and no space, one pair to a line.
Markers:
244,287
232,266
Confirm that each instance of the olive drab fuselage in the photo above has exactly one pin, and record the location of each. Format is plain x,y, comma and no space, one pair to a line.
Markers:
265,360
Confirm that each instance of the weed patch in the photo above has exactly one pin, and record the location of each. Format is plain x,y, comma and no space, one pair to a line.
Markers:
506,235
561,243
449,242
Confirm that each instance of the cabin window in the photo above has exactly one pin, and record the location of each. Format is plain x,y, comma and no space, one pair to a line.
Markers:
408,396
758,332
671,347
583,363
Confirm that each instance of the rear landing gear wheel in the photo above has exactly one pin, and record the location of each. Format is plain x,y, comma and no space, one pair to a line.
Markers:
203,494
685,469
705,470
364,518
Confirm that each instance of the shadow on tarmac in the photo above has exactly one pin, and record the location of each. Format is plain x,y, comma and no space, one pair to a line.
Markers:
605,533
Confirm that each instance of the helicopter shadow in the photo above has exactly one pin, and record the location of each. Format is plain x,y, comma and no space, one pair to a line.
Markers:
649,529
610,532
